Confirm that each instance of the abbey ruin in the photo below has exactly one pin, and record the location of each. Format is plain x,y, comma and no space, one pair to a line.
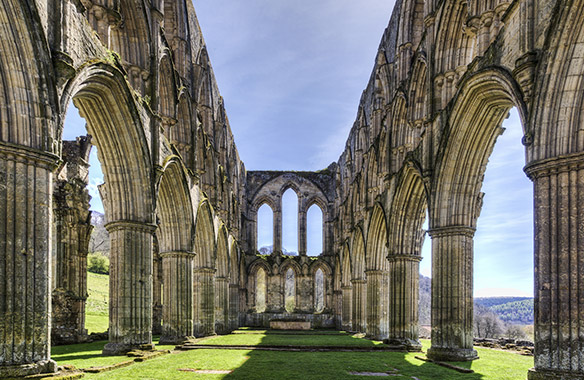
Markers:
181,209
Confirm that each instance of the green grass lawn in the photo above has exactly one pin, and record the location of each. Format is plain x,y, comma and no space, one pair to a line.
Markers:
97,309
248,364
267,339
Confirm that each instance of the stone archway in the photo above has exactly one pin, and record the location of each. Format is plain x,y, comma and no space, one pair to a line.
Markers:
176,232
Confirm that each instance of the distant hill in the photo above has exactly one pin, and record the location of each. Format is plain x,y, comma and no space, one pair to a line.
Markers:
425,302
511,310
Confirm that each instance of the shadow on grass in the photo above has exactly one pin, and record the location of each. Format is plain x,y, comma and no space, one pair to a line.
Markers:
340,365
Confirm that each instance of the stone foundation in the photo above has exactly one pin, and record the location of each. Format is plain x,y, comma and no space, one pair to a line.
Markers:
290,325
317,321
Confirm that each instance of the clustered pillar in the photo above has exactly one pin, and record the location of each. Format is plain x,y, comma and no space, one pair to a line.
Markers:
559,259
346,305
204,283
26,184
359,308
221,305
177,310
377,304
130,287
404,297
452,294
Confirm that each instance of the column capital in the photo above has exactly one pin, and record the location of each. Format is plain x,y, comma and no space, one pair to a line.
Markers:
346,287
556,165
411,258
222,279
205,270
452,231
358,281
130,225
27,155
178,254
370,272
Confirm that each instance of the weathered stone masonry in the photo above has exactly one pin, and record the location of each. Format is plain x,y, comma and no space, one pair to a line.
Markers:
445,76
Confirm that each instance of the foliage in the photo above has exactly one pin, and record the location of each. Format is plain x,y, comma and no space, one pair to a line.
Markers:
99,240
516,312
495,301
486,323
97,263
515,332
425,300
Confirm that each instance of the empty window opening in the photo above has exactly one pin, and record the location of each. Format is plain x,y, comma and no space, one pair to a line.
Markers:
265,230
290,223
290,291
319,291
314,231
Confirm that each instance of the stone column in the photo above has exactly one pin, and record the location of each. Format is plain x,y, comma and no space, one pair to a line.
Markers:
177,309
559,262
347,313
221,305
377,304
72,234
404,288
157,281
278,227
302,245
452,298
338,308
130,325
243,306
204,301
233,306
359,305
26,186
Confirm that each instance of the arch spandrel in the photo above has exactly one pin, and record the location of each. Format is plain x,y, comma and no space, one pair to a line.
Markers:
205,242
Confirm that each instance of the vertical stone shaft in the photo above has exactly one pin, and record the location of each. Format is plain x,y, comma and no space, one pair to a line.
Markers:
233,306
559,263
338,308
157,281
452,294
346,321
377,304
221,305
278,228
177,309
359,305
204,300
302,234
404,274
131,261
26,182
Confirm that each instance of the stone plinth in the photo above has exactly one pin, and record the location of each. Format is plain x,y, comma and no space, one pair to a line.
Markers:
290,325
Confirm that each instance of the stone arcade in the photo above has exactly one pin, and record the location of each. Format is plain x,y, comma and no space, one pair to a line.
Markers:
181,208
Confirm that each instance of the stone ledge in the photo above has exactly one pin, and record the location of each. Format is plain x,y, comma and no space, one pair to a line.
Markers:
290,325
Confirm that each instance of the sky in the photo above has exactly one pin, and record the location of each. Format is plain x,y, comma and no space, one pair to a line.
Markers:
292,72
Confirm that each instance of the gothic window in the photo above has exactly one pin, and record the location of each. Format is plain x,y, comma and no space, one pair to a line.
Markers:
265,230
290,223
314,228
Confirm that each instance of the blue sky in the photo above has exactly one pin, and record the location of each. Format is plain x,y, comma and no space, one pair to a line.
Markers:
292,74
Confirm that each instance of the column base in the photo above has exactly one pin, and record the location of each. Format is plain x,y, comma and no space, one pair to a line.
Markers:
409,344
175,340
452,354
120,349
15,371
541,374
